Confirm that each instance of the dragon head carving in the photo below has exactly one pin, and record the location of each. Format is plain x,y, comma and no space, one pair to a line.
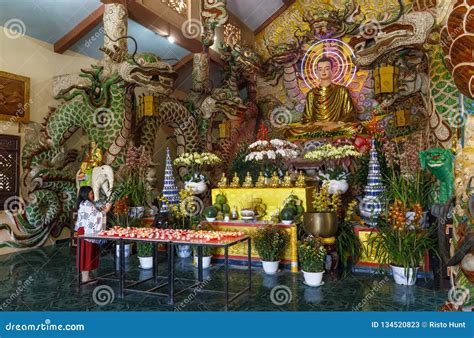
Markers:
145,70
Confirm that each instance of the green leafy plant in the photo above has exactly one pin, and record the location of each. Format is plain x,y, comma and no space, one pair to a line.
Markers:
348,244
417,189
311,255
403,247
144,249
271,242
241,167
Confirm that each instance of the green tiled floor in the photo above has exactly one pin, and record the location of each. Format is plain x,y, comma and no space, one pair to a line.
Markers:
44,279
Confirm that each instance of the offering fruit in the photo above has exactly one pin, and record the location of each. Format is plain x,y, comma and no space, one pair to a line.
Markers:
221,199
287,214
210,212
225,209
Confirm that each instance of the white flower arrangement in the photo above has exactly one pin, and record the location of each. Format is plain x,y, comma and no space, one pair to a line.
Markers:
328,151
272,150
197,159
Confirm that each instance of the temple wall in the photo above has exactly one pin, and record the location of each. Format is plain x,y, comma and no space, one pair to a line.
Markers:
35,59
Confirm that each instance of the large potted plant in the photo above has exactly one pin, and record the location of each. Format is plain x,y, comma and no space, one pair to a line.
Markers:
196,164
323,221
401,243
311,257
348,244
270,243
207,252
135,185
145,255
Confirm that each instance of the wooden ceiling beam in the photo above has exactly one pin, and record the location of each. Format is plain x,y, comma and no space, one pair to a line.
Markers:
79,31
284,7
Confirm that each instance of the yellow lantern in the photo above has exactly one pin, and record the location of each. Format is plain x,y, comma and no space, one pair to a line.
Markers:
224,129
386,79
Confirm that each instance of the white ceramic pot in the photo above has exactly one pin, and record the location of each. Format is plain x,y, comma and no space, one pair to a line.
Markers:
127,249
270,267
313,278
196,187
287,222
206,261
404,276
146,262
338,186
183,250
210,219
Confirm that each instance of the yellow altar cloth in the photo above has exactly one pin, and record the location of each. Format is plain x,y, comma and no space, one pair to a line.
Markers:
272,197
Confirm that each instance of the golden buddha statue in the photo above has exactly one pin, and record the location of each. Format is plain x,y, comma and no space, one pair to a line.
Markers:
260,181
274,181
94,158
329,106
287,181
222,182
248,183
235,181
301,180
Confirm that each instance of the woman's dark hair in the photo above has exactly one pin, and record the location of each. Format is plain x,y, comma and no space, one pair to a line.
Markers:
83,195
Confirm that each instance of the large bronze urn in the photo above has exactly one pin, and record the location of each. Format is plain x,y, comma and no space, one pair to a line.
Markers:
320,224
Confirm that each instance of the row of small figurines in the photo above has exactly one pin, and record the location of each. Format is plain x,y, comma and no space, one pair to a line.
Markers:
274,181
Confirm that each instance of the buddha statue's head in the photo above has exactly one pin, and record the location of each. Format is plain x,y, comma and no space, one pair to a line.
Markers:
324,70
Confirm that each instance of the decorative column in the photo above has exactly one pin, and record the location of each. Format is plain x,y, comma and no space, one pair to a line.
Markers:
372,204
115,26
170,190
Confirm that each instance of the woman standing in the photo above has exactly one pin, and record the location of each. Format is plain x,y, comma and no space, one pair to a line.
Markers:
90,221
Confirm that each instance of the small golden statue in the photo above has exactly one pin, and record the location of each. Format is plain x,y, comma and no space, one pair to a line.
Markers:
248,183
235,181
223,181
287,181
301,180
260,181
93,159
274,180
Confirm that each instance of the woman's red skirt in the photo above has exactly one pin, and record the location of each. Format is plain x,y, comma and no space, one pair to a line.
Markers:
90,253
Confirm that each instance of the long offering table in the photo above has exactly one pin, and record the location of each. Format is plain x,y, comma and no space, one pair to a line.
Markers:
168,280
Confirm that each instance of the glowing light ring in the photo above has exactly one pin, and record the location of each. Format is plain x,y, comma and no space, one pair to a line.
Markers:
341,55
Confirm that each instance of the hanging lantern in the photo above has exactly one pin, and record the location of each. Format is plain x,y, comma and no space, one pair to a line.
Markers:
402,118
224,129
386,79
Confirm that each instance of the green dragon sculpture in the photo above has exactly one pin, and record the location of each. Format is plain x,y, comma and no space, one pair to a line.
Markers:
103,110
440,163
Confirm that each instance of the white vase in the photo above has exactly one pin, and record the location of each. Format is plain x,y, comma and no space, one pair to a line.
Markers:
146,262
270,267
313,278
287,222
196,187
338,186
404,276
127,249
206,261
183,250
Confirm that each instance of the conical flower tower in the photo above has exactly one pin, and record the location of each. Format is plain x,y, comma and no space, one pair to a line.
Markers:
170,190
372,204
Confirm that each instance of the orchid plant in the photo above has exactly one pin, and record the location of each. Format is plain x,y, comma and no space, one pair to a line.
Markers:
196,163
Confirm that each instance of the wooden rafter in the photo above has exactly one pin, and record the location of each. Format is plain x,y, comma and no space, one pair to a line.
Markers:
78,32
